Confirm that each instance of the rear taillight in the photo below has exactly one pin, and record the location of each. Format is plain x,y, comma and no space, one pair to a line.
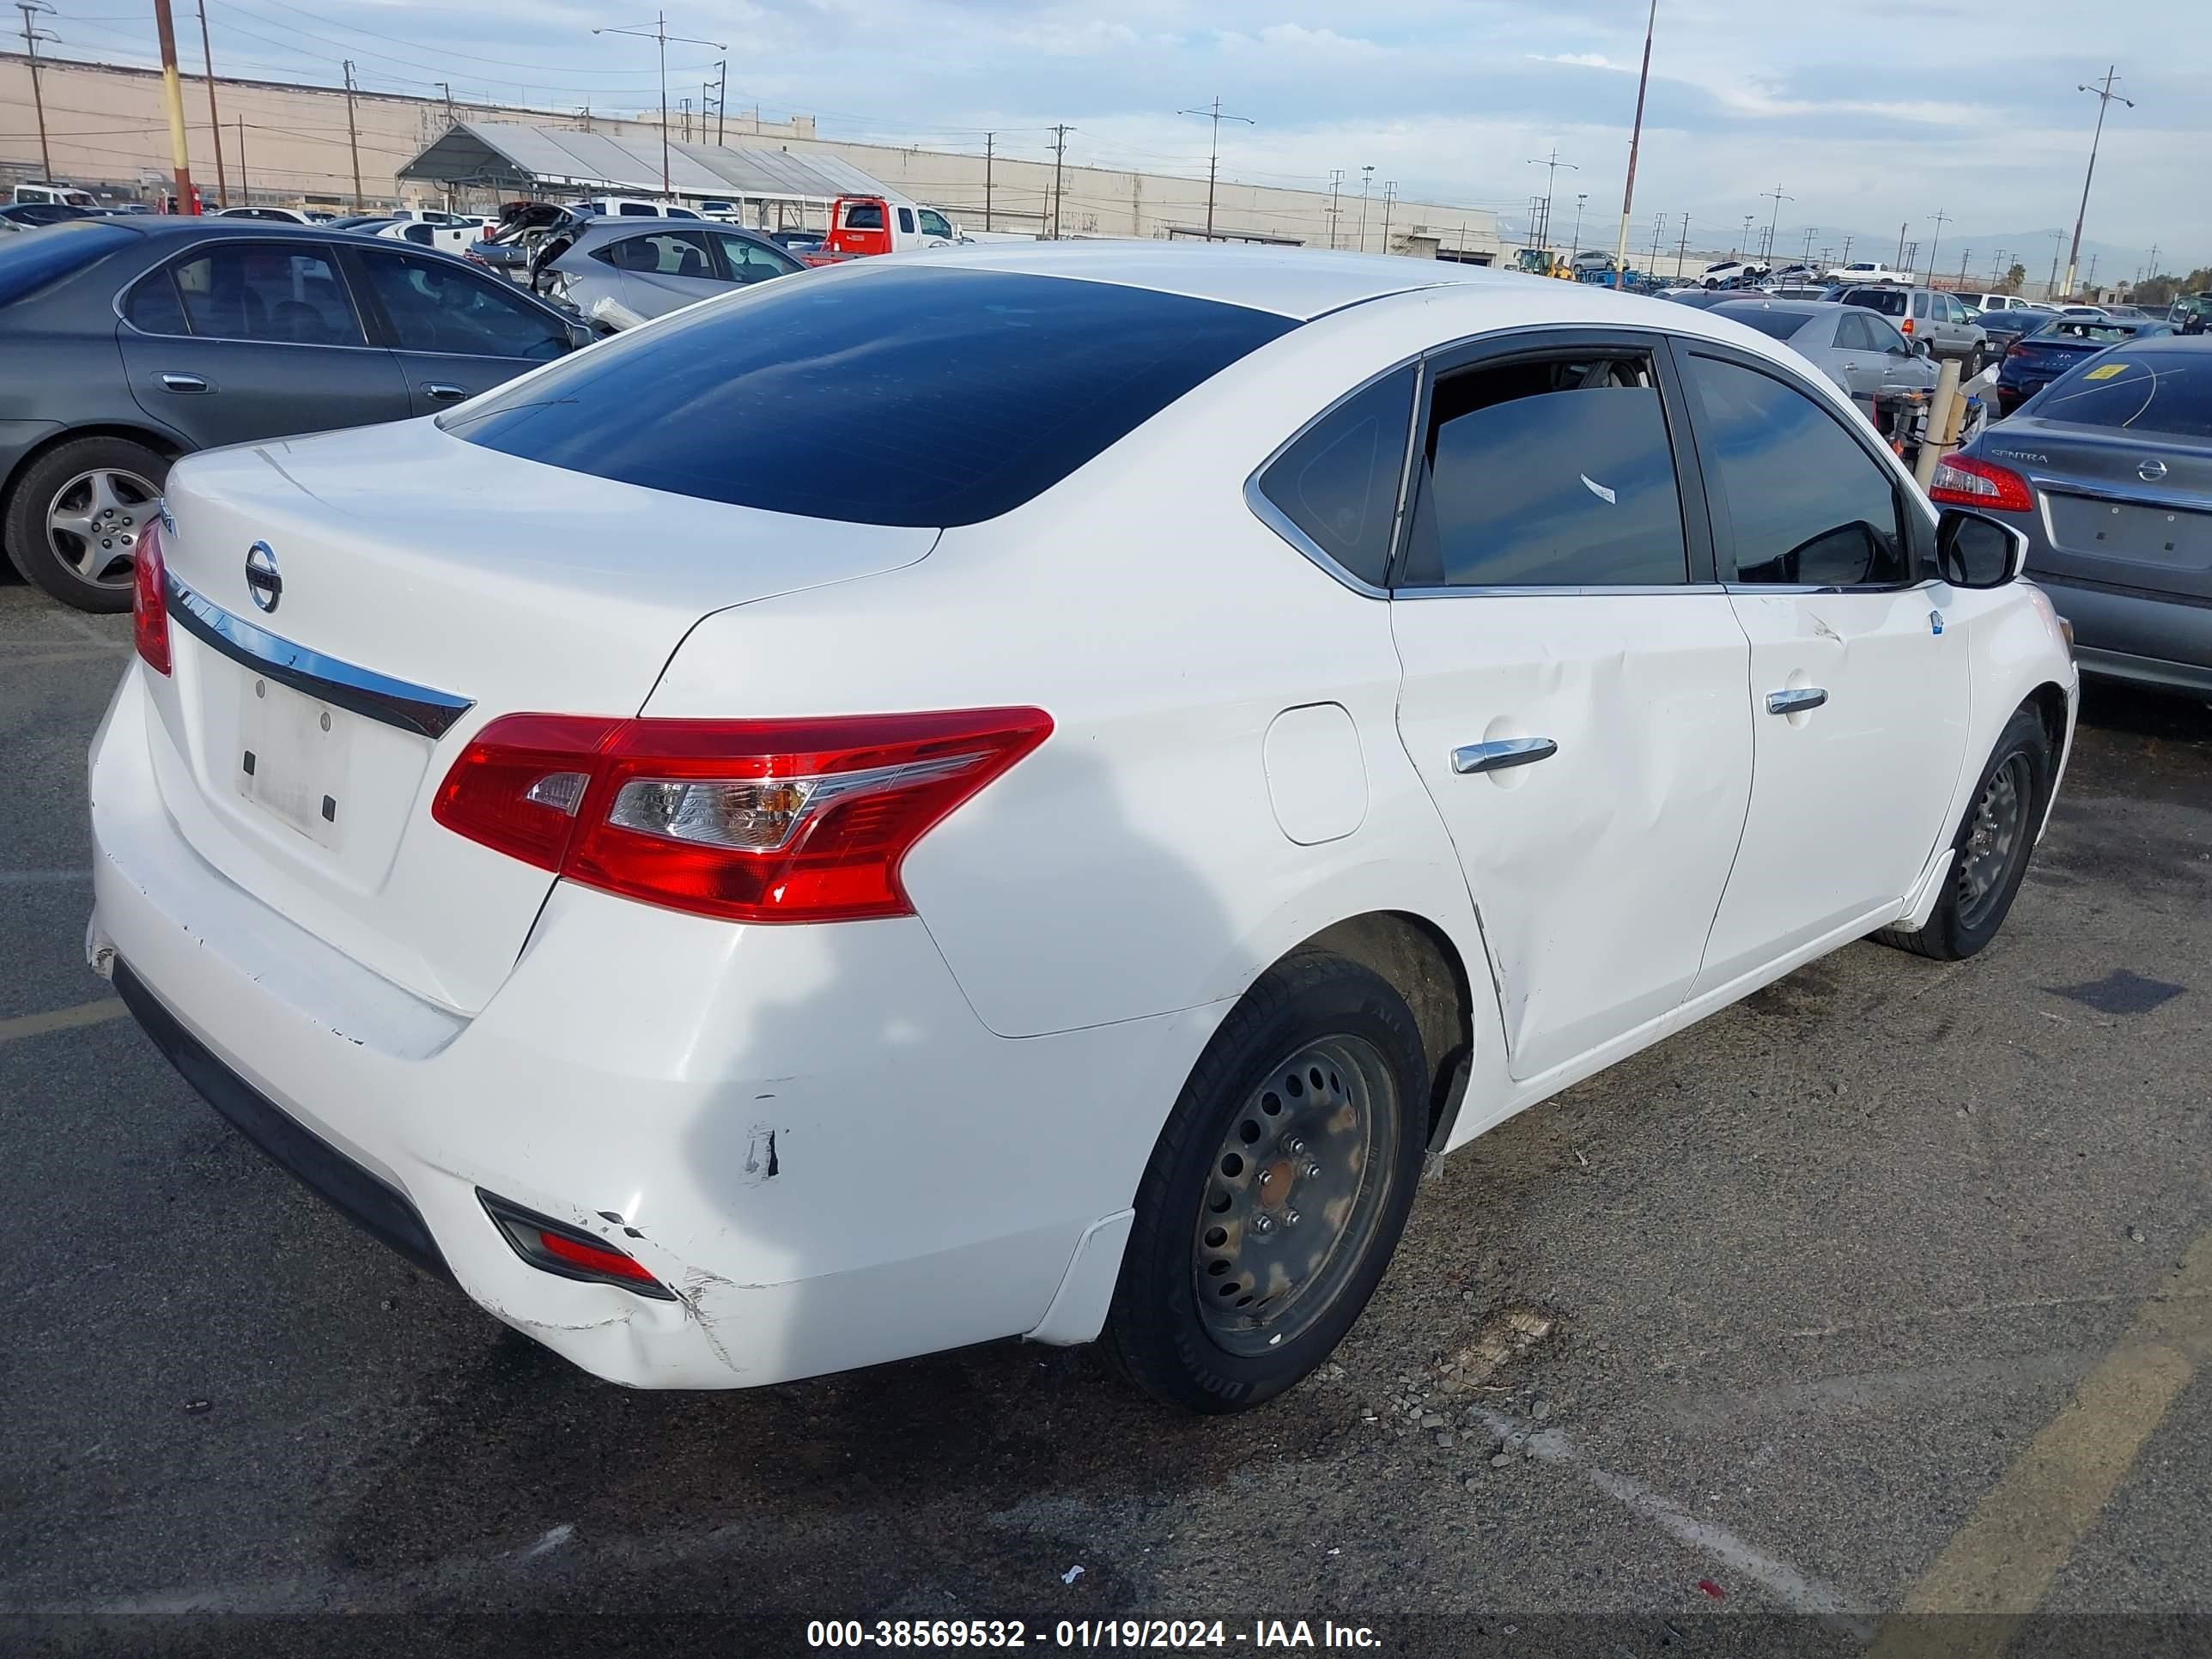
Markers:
805,820
1906,327
150,610
1961,481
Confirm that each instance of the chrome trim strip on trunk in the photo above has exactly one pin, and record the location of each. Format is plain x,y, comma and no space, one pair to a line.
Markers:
411,707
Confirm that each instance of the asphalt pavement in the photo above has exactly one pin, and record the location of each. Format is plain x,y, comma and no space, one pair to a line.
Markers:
1886,1292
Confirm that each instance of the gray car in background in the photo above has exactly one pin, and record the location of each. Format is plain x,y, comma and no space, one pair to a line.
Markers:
2108,472
1858,349
620,272
1930,314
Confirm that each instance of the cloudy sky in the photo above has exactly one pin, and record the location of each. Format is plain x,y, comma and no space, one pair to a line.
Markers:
1864,116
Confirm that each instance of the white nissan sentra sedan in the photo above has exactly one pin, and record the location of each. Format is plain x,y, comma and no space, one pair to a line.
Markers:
1018,794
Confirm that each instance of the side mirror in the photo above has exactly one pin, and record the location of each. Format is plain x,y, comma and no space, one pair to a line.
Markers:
581,335
1974,551
1920,348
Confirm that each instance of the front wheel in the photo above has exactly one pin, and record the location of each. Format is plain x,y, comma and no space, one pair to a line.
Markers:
1991,848
1277,1191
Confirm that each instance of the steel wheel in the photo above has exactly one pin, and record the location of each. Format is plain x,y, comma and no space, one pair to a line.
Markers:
1999,832
95,520
1297,1189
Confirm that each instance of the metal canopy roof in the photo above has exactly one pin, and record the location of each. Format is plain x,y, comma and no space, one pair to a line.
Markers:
514,156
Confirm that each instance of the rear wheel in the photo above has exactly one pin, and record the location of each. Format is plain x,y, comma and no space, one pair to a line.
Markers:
1277,1191
73,523
1991,849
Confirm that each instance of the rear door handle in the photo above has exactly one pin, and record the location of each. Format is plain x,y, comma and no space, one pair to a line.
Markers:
439,392
1506,752
1791,702
184,383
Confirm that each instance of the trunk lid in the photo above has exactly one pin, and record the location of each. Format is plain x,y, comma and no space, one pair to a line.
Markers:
427,585
2120,507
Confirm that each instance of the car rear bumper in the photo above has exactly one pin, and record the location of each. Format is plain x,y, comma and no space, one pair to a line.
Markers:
2127,634
803,1133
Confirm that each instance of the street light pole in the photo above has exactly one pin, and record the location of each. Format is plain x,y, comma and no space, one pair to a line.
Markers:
32,35
1551,164
658,33
1776,219
1213,112
1581,196
2105,97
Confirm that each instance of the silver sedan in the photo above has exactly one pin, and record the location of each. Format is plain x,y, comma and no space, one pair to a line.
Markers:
1860,350
621,272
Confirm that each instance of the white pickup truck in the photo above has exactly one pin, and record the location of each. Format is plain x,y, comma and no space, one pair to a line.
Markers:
1868,270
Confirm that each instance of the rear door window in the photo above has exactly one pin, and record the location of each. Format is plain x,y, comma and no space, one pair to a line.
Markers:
912,395
1853,334
662,253
279,293
747,261
1338,482
906,221
1547,472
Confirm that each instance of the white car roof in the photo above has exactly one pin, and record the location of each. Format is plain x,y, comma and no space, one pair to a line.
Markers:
1292,282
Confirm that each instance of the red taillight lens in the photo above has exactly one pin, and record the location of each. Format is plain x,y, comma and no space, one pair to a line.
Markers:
149,609
1961,481
801,820
592,1258
1906,327
553,1247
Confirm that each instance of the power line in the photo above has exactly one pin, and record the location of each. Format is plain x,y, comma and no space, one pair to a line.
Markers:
1213,160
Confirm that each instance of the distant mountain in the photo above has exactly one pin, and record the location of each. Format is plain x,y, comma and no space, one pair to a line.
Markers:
2032,248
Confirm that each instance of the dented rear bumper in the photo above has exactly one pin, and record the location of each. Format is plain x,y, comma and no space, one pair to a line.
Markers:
805,1132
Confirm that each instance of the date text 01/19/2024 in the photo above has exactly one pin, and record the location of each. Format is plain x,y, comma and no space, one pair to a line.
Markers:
1279,1635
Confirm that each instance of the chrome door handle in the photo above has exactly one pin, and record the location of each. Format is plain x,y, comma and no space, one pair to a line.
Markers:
1507,751
1789,702
443,393
184,383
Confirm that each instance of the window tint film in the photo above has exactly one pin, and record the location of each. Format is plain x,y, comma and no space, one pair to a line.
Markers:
751,263
278,292
2137,392
1806,504
1852,334
900,395
1549,473
28,263
1339,481
863,216
435,306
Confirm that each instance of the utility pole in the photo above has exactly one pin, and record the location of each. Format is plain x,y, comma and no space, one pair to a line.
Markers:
2057,237
2092,273
1776,219
658,33
1366,177
215,121
1997,268
353,132
1964,260
1389,198
2105,97
32,35
722,98
687,120
1058,161
244,190
1658,235
1335,185
1213,112
1746,248
1635,142
1682,247
1581,196
1846,258
172,97
1551,164
1809,246
1901,229
990,143
1934,241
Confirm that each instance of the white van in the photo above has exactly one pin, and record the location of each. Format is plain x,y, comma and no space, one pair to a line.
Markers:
46,192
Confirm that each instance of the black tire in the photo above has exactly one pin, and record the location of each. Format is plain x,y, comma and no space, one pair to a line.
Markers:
47,483
1977,899
1307,1008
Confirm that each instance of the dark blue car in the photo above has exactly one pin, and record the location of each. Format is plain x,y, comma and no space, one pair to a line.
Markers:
2041,356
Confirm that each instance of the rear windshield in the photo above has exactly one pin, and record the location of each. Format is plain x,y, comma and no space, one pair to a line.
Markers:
914,396
2167,392
1889,302
33,259
1774,324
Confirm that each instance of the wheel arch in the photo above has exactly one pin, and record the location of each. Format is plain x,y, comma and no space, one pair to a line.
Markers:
1422,962
166,444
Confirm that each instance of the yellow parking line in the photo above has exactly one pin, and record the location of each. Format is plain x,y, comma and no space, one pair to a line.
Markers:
2002,1562
61,1020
